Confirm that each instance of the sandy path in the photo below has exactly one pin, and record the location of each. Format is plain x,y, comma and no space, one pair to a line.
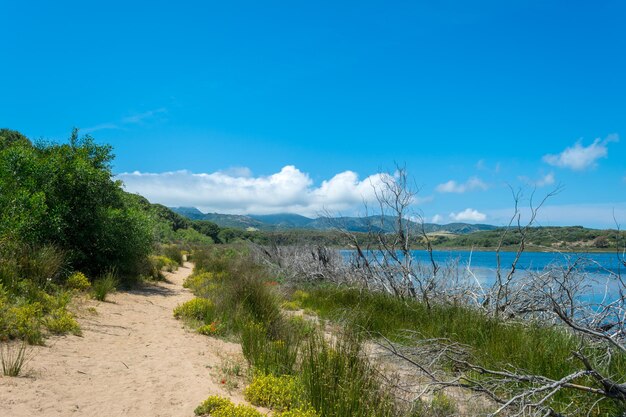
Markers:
134,359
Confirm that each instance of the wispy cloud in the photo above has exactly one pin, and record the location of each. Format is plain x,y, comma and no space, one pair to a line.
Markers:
481,165
141,117
437,218
123,123
468,215
544,181
579,157
101,126
473,183
237,191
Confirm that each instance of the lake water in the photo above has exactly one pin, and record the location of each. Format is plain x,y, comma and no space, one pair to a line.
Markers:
596,266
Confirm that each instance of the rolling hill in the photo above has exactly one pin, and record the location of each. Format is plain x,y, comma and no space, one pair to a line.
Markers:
287,221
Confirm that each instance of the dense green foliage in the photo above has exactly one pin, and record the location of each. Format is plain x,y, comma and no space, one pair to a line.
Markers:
64,195
62,211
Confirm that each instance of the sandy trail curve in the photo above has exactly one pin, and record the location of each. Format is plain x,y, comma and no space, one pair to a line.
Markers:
133,359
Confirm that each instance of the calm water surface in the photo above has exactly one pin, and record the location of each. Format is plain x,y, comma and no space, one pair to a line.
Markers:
596,266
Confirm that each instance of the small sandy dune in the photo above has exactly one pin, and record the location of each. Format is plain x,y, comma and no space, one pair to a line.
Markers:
133,359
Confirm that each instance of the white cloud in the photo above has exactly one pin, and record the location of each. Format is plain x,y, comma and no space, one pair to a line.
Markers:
468,215
547,179
237,191
579,157
437,218
473,183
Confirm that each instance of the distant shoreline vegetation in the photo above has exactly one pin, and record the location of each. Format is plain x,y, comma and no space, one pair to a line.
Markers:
291,229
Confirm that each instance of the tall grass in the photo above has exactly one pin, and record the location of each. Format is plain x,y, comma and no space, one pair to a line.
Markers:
237,287
527,346
13,358
335,378
104,285
494,344
32,297
338,380
275,355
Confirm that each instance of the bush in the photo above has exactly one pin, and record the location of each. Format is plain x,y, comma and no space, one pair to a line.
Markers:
215,328
298,412
276,392
78,281
222,407
163,263
291,305
173,252
23,322
103,286
199,309
60,321
63,196
203,283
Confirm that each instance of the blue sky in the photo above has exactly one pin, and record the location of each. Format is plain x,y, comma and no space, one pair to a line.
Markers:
278,106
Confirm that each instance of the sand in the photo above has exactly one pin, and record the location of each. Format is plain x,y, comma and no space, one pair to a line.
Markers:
133,359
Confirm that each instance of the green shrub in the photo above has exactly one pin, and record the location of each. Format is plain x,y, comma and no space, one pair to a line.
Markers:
276,392
202,283
215,328
211,404
65,195
161,262
78,281
23,322
298,412
277,357
301,326
173,252
222,407
291,305
60,321
200,309
41,265
300,296
103,286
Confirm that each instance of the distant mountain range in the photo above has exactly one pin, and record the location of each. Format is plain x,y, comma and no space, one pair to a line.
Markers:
288,221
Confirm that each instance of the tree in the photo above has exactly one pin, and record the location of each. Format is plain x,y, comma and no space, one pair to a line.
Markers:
65,195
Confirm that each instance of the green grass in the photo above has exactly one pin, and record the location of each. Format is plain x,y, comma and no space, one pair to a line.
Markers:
330,379
103,286
493,343
13,358
337,380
